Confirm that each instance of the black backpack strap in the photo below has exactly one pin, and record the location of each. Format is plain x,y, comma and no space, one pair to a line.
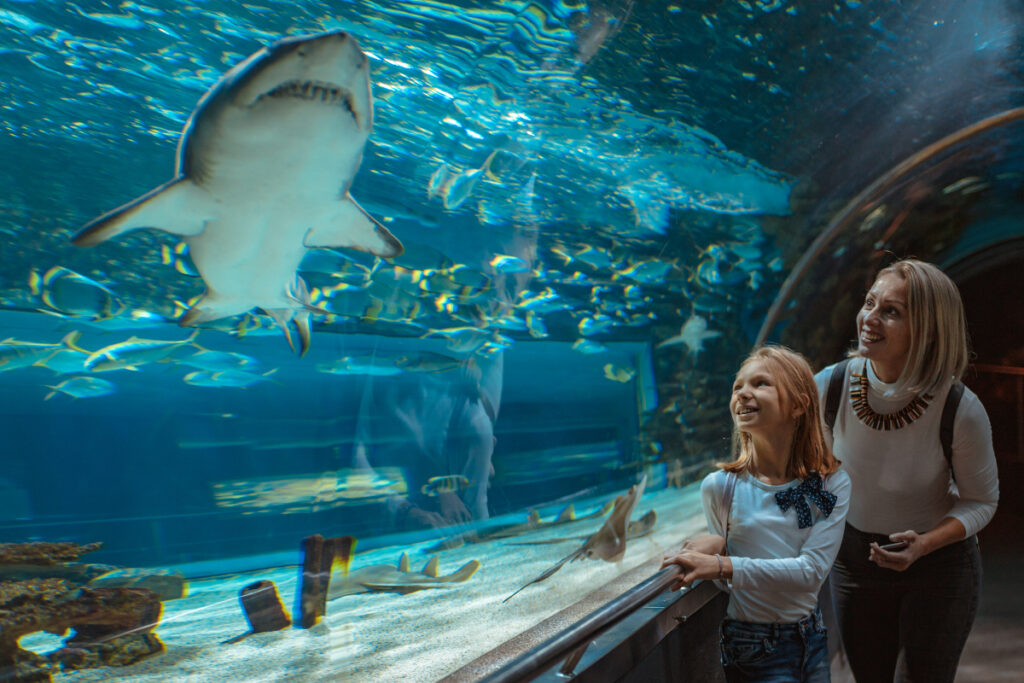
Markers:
956,392
835,392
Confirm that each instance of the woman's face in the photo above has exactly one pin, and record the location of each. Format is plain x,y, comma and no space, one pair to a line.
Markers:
883,327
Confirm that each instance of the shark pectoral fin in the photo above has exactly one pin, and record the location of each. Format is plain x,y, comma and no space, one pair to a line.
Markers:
347,225
431,567
211,307
178,207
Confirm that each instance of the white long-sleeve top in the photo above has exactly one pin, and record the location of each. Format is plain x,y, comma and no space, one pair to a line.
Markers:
900,477
777,568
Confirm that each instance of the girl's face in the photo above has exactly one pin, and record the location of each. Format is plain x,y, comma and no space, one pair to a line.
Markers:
758,406
883,327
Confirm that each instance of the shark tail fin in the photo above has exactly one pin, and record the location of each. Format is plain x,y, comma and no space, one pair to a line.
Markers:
568,514
178,207
344,549
403,563
431,567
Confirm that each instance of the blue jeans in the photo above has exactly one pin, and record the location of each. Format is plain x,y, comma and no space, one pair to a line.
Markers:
910,625
776,653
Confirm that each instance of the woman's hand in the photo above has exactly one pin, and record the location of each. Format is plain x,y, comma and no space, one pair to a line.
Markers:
899,560
694,565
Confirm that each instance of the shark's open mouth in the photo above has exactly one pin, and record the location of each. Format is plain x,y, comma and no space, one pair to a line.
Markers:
314,91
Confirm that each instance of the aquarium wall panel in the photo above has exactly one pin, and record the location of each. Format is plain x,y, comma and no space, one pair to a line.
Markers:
353,339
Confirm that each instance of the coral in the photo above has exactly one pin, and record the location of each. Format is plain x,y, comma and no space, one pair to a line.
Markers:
113,625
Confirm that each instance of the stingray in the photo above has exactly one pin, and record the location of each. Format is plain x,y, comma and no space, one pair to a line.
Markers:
383,578
533,523
263,172
609,543
637,528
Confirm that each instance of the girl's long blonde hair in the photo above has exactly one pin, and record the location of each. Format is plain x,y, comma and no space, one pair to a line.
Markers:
792,376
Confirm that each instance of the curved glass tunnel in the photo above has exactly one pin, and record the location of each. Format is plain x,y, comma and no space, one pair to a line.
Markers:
603,206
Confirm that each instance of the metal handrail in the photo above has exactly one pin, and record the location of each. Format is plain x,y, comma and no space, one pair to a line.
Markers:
533,662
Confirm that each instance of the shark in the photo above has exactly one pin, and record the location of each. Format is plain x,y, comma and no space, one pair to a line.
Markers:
263,171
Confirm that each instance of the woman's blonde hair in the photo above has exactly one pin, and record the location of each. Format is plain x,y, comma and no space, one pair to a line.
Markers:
794,380
939,347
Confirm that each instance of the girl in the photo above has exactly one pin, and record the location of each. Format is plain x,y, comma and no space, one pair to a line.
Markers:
906,609
776,514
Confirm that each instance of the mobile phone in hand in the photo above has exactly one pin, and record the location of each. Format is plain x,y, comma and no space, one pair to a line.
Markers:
894,547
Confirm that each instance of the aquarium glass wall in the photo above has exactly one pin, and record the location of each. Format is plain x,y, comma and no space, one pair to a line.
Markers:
349,340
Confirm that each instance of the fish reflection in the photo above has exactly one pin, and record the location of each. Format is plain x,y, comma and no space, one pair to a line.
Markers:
297,494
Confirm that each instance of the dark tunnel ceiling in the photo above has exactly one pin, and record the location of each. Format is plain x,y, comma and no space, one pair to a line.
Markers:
861,92
959,208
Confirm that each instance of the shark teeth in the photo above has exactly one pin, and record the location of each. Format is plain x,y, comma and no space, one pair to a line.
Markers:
313,91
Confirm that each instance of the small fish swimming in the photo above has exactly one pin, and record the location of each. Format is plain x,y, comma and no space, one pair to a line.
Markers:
226,378
453,187
15,354
263,170
452,483
377,366
618,374
693,335
82,387
71,294
133,352
219,361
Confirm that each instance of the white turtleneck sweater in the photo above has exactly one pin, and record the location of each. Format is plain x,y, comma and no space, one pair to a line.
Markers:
900,478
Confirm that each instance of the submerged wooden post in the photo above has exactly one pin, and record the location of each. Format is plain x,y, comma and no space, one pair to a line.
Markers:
312,590
318,556
263,608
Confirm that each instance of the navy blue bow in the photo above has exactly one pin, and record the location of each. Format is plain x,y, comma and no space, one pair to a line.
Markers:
810,487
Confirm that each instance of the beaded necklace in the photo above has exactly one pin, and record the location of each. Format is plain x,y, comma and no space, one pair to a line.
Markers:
897,420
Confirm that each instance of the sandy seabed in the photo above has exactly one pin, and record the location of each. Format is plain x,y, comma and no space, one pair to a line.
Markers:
421,636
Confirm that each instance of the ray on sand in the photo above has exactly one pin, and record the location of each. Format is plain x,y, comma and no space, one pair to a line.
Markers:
609,543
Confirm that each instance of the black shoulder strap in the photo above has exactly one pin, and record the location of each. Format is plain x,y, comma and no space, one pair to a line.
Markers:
835,391
956,392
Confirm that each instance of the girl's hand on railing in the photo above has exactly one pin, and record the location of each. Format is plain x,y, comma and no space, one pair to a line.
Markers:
693,565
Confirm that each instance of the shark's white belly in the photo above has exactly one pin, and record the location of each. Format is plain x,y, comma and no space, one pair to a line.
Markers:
271,179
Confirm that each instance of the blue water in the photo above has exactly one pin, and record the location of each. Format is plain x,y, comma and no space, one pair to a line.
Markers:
574,183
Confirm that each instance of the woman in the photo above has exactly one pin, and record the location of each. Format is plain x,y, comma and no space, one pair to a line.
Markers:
908,575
